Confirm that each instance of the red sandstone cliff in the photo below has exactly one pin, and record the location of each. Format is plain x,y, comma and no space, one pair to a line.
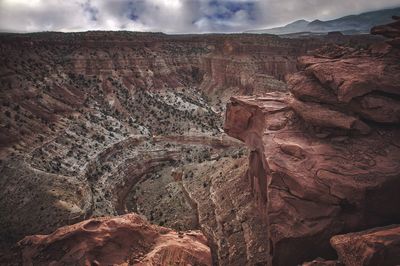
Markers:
325,158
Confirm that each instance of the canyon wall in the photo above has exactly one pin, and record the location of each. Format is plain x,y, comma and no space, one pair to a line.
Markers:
82,113
49,77
107,123
325,157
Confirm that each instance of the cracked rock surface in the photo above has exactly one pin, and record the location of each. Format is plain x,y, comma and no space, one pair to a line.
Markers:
377,246
324,158
121,240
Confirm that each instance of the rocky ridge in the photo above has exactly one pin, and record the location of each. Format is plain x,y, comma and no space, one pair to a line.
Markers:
95,126
122,240
324,158
104,123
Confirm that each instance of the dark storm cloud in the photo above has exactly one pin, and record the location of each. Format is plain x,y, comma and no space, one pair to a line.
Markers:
172,16
91,11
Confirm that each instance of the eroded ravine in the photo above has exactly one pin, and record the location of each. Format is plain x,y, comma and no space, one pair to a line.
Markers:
101,124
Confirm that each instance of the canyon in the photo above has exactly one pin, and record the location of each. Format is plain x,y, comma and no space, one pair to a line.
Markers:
236,149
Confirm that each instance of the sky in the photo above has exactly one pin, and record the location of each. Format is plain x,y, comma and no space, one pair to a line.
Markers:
172,16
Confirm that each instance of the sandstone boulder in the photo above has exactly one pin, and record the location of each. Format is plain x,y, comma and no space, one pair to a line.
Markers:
119,240
378,246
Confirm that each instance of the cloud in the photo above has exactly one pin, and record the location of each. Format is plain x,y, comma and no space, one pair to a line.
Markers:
171,16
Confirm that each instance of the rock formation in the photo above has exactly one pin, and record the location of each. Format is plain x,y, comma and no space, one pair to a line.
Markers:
325,158
378,246
391,31
103,124
226,211
121,240
86,117
97,123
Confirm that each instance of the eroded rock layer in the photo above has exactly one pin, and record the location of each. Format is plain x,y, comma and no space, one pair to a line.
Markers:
324,158
378,246
97,123
121,240
48,79
101,124
227,212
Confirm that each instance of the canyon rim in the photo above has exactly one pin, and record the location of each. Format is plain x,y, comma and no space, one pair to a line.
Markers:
139,148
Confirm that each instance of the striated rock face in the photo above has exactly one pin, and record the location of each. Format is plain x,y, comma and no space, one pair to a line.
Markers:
49,78
226,211
121,240
247,66
324,158
378,246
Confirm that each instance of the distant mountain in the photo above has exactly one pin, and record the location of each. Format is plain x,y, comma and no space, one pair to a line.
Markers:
353,24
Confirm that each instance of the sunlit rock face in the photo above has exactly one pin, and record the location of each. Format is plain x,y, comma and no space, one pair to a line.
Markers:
325,157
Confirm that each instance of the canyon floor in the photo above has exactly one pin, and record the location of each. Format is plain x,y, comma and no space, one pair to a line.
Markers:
121,148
